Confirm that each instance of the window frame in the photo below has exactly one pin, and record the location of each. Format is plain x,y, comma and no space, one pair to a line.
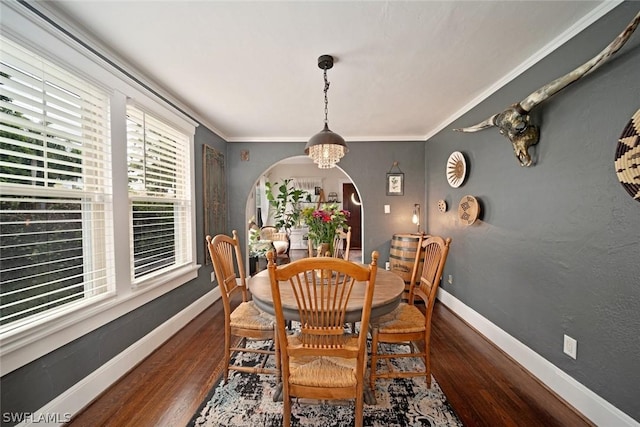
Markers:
183,232
61,120
22,345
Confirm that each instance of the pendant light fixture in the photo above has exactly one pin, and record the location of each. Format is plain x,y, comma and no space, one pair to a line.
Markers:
326,148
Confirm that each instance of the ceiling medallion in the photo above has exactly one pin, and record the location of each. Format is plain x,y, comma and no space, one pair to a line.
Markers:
456,169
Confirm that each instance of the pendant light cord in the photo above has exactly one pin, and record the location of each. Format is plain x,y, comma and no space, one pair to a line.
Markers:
326,99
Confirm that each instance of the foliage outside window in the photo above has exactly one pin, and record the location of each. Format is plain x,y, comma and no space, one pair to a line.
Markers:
159,194
56,191
55,188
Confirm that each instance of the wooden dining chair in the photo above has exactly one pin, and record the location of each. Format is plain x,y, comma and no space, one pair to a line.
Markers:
321,360
342,244
407,325
246,321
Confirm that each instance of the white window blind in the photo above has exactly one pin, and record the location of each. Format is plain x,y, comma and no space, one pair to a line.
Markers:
56,246
307,183
159,194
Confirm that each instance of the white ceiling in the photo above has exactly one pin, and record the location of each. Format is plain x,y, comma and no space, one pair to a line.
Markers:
403,70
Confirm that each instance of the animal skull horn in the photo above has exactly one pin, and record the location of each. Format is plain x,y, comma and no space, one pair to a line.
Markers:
514,121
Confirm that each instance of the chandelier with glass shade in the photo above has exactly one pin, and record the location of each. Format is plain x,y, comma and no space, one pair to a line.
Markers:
326,148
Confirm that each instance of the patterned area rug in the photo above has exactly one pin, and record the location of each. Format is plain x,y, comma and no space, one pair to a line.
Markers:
247,400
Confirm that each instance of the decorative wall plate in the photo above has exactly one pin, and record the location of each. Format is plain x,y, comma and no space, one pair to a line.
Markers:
456,169
468,210
627,163
442,206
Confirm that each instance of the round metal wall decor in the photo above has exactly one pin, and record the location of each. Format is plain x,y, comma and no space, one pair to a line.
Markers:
456,169
468,210
627,163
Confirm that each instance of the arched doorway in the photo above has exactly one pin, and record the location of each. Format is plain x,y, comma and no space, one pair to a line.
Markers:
301,167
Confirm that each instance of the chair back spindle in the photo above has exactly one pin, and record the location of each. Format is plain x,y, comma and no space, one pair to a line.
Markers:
228,266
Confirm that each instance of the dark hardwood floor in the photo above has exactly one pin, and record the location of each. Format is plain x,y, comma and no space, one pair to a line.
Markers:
484,386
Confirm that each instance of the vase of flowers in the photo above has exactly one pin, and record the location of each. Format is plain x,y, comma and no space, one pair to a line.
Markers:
323,224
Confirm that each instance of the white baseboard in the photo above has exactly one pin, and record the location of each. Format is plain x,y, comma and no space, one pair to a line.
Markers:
592,406
59,410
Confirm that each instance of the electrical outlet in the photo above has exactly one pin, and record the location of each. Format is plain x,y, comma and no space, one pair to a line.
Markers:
570,346
213,276
450,279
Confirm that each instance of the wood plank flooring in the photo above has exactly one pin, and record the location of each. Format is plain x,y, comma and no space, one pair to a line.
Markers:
484,386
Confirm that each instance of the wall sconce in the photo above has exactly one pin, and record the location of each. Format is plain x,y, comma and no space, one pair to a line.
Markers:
416,216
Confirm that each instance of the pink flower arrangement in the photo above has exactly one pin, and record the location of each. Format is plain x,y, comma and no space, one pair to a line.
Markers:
324,223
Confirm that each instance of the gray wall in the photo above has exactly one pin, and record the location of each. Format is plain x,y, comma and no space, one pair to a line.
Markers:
557,250
367,164
32,386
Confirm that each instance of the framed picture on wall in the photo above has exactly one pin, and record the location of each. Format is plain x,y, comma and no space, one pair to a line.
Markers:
395,184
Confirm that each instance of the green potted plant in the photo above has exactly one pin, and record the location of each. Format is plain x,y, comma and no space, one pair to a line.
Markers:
286,203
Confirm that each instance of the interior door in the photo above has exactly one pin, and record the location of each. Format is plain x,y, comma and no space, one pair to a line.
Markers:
351,202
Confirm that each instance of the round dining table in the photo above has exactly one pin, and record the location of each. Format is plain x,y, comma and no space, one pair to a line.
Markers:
387,294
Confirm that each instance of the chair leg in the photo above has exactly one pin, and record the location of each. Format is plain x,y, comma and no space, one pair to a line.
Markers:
359,408
286,414
374,358
277,356
227,355
427,364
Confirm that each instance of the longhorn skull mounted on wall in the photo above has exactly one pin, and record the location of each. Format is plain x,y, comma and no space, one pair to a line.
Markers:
513,122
